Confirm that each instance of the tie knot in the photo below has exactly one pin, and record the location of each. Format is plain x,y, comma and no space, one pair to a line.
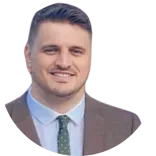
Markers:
63,121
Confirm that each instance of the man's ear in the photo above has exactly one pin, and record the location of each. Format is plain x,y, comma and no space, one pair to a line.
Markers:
27,54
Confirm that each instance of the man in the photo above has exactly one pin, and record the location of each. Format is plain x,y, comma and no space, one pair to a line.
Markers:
56,112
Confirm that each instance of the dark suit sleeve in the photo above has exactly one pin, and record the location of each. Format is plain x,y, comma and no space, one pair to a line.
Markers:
135,123
137,129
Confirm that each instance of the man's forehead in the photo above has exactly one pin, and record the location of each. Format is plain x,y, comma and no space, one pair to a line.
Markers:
60,29
62,33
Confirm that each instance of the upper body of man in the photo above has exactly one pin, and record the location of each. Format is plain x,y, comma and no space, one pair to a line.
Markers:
56,112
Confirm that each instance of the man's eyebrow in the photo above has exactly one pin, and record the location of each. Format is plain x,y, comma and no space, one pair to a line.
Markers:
56,46
77,47
49,46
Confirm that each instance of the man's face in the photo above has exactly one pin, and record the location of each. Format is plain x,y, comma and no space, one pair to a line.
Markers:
60,58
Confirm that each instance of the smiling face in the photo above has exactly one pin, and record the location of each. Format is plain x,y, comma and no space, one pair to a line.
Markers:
60,58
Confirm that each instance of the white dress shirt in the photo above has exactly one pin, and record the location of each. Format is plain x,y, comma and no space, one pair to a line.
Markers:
47,126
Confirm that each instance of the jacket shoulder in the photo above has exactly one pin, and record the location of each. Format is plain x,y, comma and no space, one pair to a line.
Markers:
9,106
116,115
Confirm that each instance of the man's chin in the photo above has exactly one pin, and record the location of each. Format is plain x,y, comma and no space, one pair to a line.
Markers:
66,93
63,94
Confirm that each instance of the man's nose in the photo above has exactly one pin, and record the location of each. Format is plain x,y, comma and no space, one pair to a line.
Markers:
64,60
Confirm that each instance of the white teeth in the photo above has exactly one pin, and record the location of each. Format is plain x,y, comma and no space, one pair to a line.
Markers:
62,75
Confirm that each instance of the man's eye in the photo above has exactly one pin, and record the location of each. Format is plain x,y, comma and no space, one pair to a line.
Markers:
51,50
76,51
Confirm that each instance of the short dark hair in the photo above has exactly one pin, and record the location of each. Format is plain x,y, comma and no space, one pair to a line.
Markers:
59,12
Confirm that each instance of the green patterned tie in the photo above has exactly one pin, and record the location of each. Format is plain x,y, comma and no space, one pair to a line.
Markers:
63,136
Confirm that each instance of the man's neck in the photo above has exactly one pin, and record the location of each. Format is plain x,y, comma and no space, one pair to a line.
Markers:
57,103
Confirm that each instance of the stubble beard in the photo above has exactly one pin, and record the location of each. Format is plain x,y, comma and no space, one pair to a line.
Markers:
57,92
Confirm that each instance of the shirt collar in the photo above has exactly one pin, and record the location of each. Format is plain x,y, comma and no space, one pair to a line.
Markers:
46,115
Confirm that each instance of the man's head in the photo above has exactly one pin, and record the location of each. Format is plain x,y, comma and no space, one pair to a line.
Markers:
58,51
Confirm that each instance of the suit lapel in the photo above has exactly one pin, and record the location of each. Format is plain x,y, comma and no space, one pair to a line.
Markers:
93,129
23,120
